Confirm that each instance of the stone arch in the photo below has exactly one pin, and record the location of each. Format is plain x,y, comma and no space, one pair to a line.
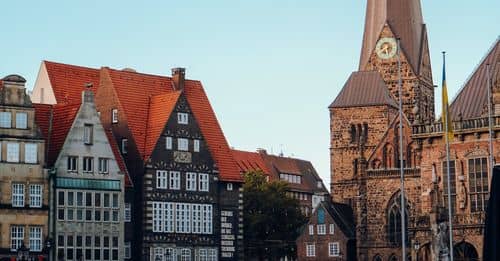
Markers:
393,216
388,158
393,257
411,156
377,257
465,251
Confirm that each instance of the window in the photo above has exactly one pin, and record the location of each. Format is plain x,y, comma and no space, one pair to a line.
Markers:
5,120
332,229
35,239
161,179
182,118
18,195
168,143
12,152
35,196
207,254
310,250
229,186
88,163
196,145
478,184
114,115
128,252
322,229
182,144
30,153
127,214
185,254
158,218
453,187
72,164
124,146
333,249
196,217
203,182
170,254
16,237
88,130
182,218
207,219
21,120
103,165
175,180
394,222
311,230
191,181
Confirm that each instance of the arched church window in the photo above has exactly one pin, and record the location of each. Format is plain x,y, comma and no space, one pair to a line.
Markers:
393,258
394,220
353,133
377,258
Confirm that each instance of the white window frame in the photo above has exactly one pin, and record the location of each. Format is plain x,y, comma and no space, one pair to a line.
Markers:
16,237
175,180
88,165
103,166
168,143
229,186
88,134
127,250
36,191
72,164
333,249
182,118
196,219
12,152
114,115
171,251
186,254
321,229
35,239
5,119
182,144
191,181
17,195
311,230
332,229
21,120
310,250
206,214
124,146
158,222
203,182
169,213
127,212
31,153
196,145
162,179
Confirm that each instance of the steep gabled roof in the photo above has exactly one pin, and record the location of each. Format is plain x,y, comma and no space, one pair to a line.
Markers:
118,157
404,18
473,97
365,88
249,161
160,109
68,81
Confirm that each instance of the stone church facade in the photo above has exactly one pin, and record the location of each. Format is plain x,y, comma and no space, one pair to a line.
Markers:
365,168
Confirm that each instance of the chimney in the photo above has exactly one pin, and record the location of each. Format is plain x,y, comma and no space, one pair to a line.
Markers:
87,94
178,76
261,151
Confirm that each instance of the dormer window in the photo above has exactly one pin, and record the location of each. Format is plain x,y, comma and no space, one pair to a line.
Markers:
182,118
21,120
114,116
88,130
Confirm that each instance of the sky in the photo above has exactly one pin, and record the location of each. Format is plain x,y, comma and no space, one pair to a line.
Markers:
269,67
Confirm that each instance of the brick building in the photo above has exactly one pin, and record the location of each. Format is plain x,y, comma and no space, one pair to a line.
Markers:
365,168
24,180
186,200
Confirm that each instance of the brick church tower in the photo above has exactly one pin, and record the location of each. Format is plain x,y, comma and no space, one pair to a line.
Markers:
364,125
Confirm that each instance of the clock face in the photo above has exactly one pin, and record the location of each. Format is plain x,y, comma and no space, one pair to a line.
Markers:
386,48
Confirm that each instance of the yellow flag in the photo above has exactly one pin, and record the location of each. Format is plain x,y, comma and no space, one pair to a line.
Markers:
446,113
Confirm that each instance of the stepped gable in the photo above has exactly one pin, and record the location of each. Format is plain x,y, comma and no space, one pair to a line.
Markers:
68,81
404,18
472,99
249,161
366,88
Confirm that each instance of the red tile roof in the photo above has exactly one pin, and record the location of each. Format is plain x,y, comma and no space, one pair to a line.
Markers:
471,101
364,89
68,81
143,98
250,161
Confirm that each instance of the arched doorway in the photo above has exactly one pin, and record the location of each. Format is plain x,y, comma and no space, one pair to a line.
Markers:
424,253
464,251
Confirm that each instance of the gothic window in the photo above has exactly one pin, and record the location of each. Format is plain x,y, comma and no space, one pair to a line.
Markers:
353,133
377,258
465,251
453,185
393,258
478,184
388,156
365,131
394,220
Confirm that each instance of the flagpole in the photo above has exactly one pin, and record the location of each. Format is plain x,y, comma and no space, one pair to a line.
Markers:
401,161
490,120
445,123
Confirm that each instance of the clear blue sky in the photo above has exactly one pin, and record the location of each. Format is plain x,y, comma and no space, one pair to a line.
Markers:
270,68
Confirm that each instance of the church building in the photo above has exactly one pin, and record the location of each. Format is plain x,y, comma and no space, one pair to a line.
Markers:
364,127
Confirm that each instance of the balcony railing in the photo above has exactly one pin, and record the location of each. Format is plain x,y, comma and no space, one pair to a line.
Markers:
462,125
393,172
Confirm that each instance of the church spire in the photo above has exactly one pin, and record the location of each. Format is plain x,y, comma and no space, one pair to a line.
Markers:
405,20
